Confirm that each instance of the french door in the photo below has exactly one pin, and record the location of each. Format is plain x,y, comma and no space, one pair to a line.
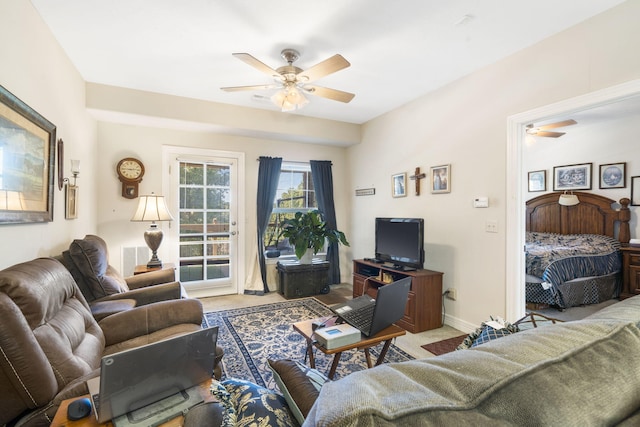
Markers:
204,235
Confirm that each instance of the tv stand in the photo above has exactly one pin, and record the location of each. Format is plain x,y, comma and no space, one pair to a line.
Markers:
402,268
424,306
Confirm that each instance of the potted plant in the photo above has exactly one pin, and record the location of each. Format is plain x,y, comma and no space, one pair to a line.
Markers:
308,231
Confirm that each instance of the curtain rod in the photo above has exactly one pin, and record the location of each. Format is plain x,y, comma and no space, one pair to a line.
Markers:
293,161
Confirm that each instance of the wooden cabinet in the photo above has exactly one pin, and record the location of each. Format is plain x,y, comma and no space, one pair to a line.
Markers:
630,271
424,306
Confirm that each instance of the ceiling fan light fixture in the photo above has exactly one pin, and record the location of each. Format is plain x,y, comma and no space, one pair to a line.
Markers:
289,98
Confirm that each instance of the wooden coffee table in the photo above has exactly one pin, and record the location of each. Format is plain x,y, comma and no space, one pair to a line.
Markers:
305,329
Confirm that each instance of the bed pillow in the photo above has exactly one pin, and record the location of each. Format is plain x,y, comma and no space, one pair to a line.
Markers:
246,403
299,384
486,332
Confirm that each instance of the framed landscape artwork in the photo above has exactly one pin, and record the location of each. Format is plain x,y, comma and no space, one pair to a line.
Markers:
537,181
572,177
613,175
399,184
27,156
440,179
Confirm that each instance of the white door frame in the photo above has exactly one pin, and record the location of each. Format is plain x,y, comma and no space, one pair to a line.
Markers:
169,154
517,185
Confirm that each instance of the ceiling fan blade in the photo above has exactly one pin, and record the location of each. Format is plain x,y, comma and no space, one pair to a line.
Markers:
334,94
558,124
241,88
549,134
257,64
324,68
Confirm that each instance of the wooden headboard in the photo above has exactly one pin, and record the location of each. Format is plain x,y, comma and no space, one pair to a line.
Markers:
593,215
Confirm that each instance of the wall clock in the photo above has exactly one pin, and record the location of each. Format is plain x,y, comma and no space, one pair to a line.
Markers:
130,172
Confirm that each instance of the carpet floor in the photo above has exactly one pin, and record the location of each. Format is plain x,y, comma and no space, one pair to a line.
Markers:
252,335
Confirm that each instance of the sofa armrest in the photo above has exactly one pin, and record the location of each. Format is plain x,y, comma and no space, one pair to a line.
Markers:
151,278
152,294
150,318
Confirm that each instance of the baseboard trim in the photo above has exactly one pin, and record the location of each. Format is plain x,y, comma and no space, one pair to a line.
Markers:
459,324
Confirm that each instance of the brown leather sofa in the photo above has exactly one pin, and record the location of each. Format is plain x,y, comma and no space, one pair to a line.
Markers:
105,289
50,343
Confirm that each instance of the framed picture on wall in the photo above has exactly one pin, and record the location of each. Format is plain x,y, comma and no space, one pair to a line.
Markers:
613,175
440,179
572,177
635,191
399,184
537,181
28,162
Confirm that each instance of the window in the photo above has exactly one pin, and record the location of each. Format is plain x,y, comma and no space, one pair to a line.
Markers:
204,221
295,194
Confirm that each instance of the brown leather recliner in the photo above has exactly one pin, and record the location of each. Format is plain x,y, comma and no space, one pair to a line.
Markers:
50,343
105,289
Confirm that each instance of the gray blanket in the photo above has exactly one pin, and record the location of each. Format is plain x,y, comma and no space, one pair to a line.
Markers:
575,373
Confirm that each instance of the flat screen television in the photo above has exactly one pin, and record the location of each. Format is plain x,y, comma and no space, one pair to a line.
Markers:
400,241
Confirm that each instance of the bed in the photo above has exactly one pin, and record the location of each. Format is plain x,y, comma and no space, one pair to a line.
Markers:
573,252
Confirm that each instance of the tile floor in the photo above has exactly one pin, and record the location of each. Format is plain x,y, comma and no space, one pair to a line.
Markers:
411,343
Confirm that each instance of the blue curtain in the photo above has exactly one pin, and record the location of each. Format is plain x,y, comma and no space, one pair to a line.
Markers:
323,184
268,175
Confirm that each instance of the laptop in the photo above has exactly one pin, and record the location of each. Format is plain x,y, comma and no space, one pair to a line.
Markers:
371,315
153,383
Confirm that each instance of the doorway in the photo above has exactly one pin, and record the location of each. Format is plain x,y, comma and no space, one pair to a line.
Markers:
203,196
517,184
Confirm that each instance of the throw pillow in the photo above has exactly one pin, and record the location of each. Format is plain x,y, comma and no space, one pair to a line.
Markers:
486,333
299,384
246,403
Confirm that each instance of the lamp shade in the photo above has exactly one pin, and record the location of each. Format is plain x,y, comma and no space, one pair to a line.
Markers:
568,199
152,208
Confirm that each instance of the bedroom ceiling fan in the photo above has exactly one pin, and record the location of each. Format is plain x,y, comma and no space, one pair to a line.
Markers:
543,130
293,82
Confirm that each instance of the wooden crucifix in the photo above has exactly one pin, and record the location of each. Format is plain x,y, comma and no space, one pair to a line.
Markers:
417,177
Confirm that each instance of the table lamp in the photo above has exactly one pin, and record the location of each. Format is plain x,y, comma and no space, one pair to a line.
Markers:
152,208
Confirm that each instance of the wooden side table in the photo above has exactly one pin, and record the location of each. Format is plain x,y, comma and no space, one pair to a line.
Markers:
61,420
305,329
630,271
141,269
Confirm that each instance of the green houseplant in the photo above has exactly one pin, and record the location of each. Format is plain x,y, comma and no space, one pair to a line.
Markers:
308,231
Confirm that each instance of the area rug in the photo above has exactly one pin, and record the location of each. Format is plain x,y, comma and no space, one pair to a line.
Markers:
445,346
252,335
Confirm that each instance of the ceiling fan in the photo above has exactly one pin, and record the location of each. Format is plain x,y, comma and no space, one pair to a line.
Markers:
293,81
543,130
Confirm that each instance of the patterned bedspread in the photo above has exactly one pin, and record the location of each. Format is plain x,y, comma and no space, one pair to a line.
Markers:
557,258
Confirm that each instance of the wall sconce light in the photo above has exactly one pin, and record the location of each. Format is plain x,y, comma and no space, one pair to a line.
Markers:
568,199
75,171
71,192
152,208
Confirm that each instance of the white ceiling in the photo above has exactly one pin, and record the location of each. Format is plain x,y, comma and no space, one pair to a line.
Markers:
398,50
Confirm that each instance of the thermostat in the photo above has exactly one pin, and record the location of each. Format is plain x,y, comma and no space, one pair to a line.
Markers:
481,202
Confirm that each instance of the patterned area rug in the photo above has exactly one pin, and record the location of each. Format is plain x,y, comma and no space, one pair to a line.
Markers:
252,335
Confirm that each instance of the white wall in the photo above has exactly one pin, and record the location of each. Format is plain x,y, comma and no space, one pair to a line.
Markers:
145,143
36,70
464,124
